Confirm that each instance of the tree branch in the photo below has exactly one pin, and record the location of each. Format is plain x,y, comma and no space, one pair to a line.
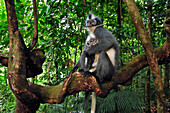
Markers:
77,82
35,37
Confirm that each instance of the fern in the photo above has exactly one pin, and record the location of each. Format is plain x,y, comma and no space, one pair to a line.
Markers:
122,102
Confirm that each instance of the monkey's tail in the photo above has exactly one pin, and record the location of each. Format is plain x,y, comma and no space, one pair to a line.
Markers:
93,104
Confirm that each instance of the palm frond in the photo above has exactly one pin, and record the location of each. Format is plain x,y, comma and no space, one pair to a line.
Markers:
122,101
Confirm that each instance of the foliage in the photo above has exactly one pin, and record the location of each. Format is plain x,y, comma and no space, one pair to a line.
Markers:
62,36
122,101
4,40
73,103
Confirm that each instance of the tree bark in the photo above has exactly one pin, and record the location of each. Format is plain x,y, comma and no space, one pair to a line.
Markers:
166,80
22,108
147,85
147,92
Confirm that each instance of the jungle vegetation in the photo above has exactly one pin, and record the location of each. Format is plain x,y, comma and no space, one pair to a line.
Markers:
41,40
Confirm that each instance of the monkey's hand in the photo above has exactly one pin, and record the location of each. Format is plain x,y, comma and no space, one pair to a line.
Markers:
91,42
86,73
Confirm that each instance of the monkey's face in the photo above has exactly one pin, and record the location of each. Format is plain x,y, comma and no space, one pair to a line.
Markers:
90,23
92,20
91,40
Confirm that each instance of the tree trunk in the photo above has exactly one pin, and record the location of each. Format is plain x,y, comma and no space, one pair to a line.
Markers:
147,85
166,82
119,19
151,58
17,64
166,79
22,108
147,92
167,65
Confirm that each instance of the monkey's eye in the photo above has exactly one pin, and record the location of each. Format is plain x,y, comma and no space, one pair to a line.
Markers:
93,22
88,44
88,22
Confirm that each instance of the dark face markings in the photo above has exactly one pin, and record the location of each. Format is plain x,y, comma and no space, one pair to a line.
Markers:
92,22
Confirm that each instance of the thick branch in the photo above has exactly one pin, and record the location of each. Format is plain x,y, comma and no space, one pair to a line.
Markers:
78,82
35,37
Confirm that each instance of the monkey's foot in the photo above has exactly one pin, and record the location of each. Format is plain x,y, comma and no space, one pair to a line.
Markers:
90,74
87,73
81,71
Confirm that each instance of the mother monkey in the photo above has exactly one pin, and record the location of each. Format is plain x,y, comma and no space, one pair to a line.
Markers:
101,51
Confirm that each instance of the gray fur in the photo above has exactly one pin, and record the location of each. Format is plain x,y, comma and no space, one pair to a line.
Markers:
104,69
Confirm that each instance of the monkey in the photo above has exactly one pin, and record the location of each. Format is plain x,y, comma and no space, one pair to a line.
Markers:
101,55
106,51
91,40
86,60
89,59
